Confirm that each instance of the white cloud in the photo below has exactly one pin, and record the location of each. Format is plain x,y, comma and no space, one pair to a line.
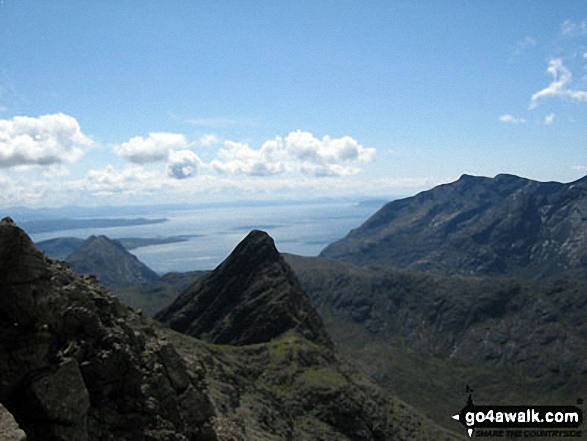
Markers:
37,192
298,163
56,171
183,164
42,141
507,118
549,119
579,167
305,146
154,148
562,77
14,193
570,28
131,180
238,158
297,152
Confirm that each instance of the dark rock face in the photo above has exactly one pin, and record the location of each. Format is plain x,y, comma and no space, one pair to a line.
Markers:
423,336
252,297
77,365
152,297
505,226
535,325
110,262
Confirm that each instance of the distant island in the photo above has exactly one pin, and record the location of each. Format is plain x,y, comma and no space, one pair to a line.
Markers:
49,225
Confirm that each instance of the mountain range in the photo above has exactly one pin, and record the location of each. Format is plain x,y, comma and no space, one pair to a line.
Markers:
502,226
75,364
480,282
110,260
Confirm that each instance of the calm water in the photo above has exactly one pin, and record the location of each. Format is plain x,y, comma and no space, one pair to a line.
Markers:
213,233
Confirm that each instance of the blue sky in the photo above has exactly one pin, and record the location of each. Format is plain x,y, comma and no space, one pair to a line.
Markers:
131,102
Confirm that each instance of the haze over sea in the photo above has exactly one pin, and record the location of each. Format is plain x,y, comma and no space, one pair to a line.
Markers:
212,232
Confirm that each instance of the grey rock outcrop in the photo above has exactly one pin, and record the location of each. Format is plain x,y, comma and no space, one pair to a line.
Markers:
77,365
9,430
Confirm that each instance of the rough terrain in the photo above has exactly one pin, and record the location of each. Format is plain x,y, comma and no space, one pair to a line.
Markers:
502,226
75,364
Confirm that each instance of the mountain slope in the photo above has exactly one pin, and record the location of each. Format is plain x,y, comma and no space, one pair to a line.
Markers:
276,362
110,262
76,365
294,389
424,336
506,226
251,297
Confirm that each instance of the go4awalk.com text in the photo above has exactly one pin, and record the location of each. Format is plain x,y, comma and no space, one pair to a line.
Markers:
521,421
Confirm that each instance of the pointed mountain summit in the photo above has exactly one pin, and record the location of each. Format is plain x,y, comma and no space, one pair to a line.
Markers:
110,262
251,297
502,226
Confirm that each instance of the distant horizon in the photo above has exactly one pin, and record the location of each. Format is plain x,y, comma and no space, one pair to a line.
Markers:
211,233
257,202
124,103
139,208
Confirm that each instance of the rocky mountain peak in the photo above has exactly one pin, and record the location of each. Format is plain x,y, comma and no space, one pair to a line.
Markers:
20,261
110,262
257,248
102,240
251,297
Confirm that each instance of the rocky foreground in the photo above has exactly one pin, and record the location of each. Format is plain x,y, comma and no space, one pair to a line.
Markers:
77,365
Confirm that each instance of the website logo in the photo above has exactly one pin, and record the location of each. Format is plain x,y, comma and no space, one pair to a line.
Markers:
521,421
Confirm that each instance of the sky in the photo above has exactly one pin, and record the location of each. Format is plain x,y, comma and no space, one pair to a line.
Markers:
142,102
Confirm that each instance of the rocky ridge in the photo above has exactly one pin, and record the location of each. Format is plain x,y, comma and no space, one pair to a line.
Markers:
152,297
502,226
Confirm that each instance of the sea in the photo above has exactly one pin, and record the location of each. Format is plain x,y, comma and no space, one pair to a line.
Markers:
212,232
